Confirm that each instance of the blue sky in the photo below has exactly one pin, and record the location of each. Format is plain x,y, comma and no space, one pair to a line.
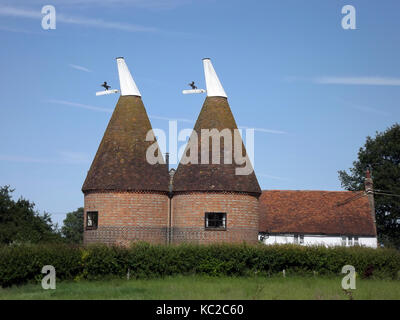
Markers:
313,89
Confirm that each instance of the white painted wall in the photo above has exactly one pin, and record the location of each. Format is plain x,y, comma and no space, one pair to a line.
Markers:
328,241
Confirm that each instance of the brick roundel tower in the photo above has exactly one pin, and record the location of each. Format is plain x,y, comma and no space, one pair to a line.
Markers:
211,202
126,197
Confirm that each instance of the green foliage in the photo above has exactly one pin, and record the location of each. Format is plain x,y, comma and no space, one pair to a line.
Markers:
20,264
23,263
382,155
20,223
72,229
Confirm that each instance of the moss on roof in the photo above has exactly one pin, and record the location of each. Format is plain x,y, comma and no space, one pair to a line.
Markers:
120,163
217,114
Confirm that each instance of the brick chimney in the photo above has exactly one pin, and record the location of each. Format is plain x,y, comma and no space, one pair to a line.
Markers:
369,190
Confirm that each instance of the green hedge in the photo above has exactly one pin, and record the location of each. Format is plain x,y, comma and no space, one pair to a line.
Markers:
21,264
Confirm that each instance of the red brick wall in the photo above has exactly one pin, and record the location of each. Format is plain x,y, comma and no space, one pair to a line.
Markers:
124,217
188,210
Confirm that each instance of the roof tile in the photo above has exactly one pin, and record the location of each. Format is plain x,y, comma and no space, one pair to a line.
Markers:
316,212
120,163
217,114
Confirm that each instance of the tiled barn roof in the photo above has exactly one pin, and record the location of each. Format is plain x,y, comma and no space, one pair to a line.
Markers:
316,212
120,163
217,114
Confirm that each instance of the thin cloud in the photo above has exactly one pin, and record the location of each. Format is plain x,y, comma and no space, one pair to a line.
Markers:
79,105
147,4
101,109
350,80
83,21
364,108
19,12
99,23
75,157
265,130
75,66
367,81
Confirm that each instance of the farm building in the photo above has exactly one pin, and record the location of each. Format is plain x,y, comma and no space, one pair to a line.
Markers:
317,217
129,199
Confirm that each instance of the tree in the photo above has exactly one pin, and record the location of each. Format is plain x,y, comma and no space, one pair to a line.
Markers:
72,229
19,222
381,155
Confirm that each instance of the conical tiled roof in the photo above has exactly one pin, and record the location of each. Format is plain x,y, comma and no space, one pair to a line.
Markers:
217,114
120,163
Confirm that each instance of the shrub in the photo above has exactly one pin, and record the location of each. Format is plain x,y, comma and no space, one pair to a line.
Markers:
21,264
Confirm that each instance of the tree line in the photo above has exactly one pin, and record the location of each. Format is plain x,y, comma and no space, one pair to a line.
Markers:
21,223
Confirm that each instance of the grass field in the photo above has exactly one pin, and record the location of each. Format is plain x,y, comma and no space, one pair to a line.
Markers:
196,287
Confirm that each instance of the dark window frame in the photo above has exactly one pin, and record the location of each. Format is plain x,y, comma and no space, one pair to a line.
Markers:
224,219
95,222
298,238
350,241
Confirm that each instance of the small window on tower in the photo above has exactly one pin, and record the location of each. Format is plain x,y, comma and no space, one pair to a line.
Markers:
215,220
91,220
